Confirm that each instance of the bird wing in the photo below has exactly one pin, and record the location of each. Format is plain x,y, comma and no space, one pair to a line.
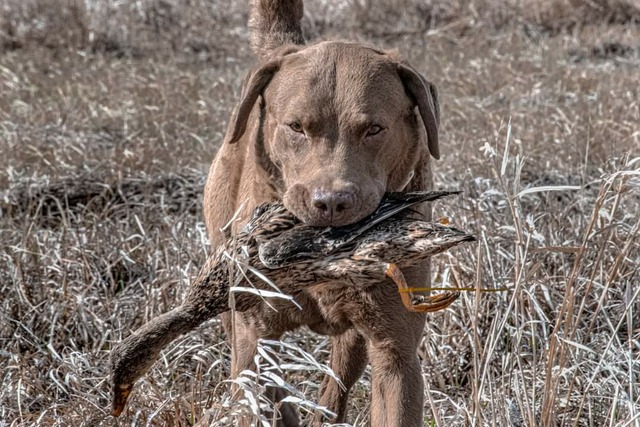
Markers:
306,242
391,204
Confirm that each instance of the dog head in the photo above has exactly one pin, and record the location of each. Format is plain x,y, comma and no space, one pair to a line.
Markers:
338,127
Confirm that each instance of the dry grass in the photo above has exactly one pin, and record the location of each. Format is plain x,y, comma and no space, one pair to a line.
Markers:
110,115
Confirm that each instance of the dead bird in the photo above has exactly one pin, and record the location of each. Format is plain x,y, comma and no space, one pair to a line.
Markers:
276,249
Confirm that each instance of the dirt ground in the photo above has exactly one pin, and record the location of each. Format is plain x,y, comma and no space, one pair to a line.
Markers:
110,114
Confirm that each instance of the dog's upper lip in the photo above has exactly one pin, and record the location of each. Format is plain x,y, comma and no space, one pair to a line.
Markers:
305,214
321,222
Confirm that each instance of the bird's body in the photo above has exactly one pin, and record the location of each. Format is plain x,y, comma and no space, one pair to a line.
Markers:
276,247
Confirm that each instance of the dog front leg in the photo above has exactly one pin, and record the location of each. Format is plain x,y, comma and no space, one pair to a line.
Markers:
393,335
397,389
348,362
243,338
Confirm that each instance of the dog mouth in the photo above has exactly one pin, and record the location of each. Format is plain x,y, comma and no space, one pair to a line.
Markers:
315,215
315,221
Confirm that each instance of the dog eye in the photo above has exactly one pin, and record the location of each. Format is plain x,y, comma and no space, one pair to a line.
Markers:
296,127
374,130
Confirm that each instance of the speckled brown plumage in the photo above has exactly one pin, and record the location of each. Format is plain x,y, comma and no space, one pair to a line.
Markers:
275,245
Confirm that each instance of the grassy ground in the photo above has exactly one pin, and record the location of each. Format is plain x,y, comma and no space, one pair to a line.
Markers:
110,114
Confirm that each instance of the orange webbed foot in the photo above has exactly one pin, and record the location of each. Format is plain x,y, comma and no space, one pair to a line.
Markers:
419,304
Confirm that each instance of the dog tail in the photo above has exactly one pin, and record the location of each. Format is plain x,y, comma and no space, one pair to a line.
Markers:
274,23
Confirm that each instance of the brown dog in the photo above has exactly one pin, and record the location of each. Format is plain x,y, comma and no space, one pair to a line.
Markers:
328,128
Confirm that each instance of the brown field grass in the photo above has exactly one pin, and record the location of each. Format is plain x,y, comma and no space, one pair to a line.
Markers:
110,113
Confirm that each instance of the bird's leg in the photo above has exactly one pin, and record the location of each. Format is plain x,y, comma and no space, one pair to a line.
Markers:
428,304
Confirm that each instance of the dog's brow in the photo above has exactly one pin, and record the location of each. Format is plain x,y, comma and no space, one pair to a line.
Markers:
364,120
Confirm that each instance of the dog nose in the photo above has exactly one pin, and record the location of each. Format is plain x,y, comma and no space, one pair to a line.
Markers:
331,205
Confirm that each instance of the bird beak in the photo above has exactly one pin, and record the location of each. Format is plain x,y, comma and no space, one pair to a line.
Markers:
120,396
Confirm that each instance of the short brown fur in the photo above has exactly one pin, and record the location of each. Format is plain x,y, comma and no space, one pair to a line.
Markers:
328,128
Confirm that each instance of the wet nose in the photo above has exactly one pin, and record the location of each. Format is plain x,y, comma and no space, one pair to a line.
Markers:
332,205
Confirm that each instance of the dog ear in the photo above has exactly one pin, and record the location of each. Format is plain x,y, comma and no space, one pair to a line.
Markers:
254,85
425,95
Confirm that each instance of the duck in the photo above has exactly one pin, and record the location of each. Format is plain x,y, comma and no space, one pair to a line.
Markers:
276,250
